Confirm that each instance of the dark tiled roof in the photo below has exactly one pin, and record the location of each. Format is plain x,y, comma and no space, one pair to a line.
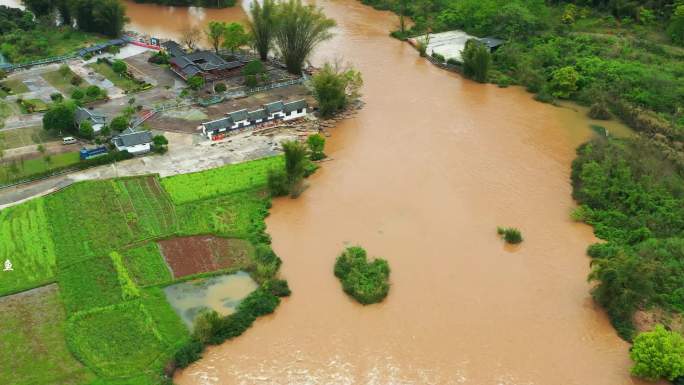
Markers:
203,61
491,42
238,115
258,114
83,114
294,106
134,139
173,48
219,124
274,107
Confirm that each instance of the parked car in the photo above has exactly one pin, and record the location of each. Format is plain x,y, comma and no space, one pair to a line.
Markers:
69,140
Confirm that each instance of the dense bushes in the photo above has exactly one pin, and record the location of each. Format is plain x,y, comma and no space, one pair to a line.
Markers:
476,61
367,282
634,198
658,354
334,87
510,235
209,328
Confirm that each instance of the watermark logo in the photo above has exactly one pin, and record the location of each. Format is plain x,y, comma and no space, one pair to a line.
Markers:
8,265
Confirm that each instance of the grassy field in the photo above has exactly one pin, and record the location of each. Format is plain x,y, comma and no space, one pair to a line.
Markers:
25,240
116,341
16,85
59,81
98,241
88,228
32,341
146,265
15,170
5,112
106,70
237,215
221,181
21,137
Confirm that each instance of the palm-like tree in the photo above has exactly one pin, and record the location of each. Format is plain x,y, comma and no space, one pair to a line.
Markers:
299,29
262,26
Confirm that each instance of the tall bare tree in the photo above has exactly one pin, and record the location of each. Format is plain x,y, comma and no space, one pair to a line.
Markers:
190,36
262,26
299,29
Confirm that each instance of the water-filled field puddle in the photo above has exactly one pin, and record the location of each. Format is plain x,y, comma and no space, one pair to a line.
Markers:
222,294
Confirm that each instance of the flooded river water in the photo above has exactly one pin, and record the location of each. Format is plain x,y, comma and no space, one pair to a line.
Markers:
422,177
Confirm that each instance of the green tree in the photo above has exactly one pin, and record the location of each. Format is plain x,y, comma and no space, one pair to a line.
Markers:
215,33
658,354
295,162
93,91
300,29
77,94
196,82
476,60
625,282
119,67
234,37
564,82
119,123
160,140
262,26
60,117
334,88
109,17
676,27
39,7
86,130
316,143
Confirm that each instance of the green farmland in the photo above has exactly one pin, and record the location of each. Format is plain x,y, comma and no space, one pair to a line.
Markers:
18,170
97,242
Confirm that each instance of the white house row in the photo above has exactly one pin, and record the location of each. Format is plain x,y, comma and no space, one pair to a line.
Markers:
218,129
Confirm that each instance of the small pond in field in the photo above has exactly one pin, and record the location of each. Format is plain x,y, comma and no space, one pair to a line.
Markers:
222,294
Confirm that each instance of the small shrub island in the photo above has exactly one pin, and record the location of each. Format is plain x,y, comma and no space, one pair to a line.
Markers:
367,282
510,235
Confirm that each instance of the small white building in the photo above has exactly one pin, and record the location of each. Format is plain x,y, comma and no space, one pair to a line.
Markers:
135,142
271,112
451,44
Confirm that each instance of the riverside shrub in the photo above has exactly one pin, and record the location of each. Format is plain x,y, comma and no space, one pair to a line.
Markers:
510,234
658,354
367,282
632,196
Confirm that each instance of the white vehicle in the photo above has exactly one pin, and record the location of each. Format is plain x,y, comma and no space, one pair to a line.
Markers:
69,140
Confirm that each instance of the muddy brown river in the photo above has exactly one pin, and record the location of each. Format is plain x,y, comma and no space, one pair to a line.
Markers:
422,177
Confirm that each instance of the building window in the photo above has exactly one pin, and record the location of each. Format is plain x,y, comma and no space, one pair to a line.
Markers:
299,111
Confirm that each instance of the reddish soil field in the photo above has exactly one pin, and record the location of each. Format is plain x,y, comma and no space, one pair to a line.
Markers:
203,253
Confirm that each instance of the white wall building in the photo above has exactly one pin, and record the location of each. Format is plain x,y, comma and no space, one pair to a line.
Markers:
136,143
276,111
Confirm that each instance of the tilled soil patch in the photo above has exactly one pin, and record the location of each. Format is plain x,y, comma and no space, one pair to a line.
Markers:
204,253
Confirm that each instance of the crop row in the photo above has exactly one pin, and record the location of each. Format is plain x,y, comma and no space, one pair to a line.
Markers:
225,180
